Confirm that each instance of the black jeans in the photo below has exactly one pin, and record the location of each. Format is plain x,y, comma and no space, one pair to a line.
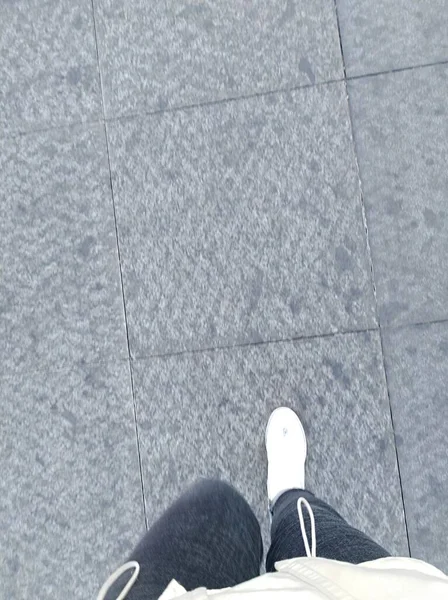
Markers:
210,537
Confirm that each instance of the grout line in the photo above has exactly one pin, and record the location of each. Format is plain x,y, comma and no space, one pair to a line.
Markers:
413,324
137,436
395,444
248,96
64,367
361,194
253,344
127,328
99,360
397,70
97,51
372,275
340,38
173,109
134,401
358,172
69,125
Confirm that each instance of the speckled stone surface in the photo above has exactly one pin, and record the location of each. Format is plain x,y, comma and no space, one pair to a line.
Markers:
71,505
181,52
241,222
392,34
48,64
60,293
229,189
204,414
401,134
417,369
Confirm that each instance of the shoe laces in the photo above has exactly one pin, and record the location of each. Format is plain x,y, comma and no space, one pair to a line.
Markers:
133,564
311,553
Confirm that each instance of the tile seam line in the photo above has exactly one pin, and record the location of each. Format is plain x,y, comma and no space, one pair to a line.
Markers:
58,127
395,443
412,324
265,93
105,360
169,110
131,376
69,366
383,360
149,113
372,276
286,340
396,70
229,100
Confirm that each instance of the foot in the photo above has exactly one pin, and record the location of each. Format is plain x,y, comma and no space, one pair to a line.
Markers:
286,450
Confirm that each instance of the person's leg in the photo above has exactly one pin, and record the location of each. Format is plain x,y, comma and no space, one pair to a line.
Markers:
209,537
286,450
335,538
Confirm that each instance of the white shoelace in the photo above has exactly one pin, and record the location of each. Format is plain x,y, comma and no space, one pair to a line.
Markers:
310,553
133,564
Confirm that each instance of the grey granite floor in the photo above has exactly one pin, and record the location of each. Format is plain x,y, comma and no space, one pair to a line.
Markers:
210,208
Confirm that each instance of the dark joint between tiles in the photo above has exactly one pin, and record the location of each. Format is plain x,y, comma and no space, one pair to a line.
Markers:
48,128
362,203
395,443
340,37
149,113
205,103
134,402
253,344
130,116
413,324
137,437
126,327
100,80
262,94
97,362
397,70
372,274
363,207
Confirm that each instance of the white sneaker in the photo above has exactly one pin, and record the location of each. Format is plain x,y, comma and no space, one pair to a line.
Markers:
286,450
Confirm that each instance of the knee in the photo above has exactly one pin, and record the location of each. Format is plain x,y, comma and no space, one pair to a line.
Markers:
212,488
217,496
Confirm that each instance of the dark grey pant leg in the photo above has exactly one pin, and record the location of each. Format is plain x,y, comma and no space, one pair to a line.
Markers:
335,538
209,537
